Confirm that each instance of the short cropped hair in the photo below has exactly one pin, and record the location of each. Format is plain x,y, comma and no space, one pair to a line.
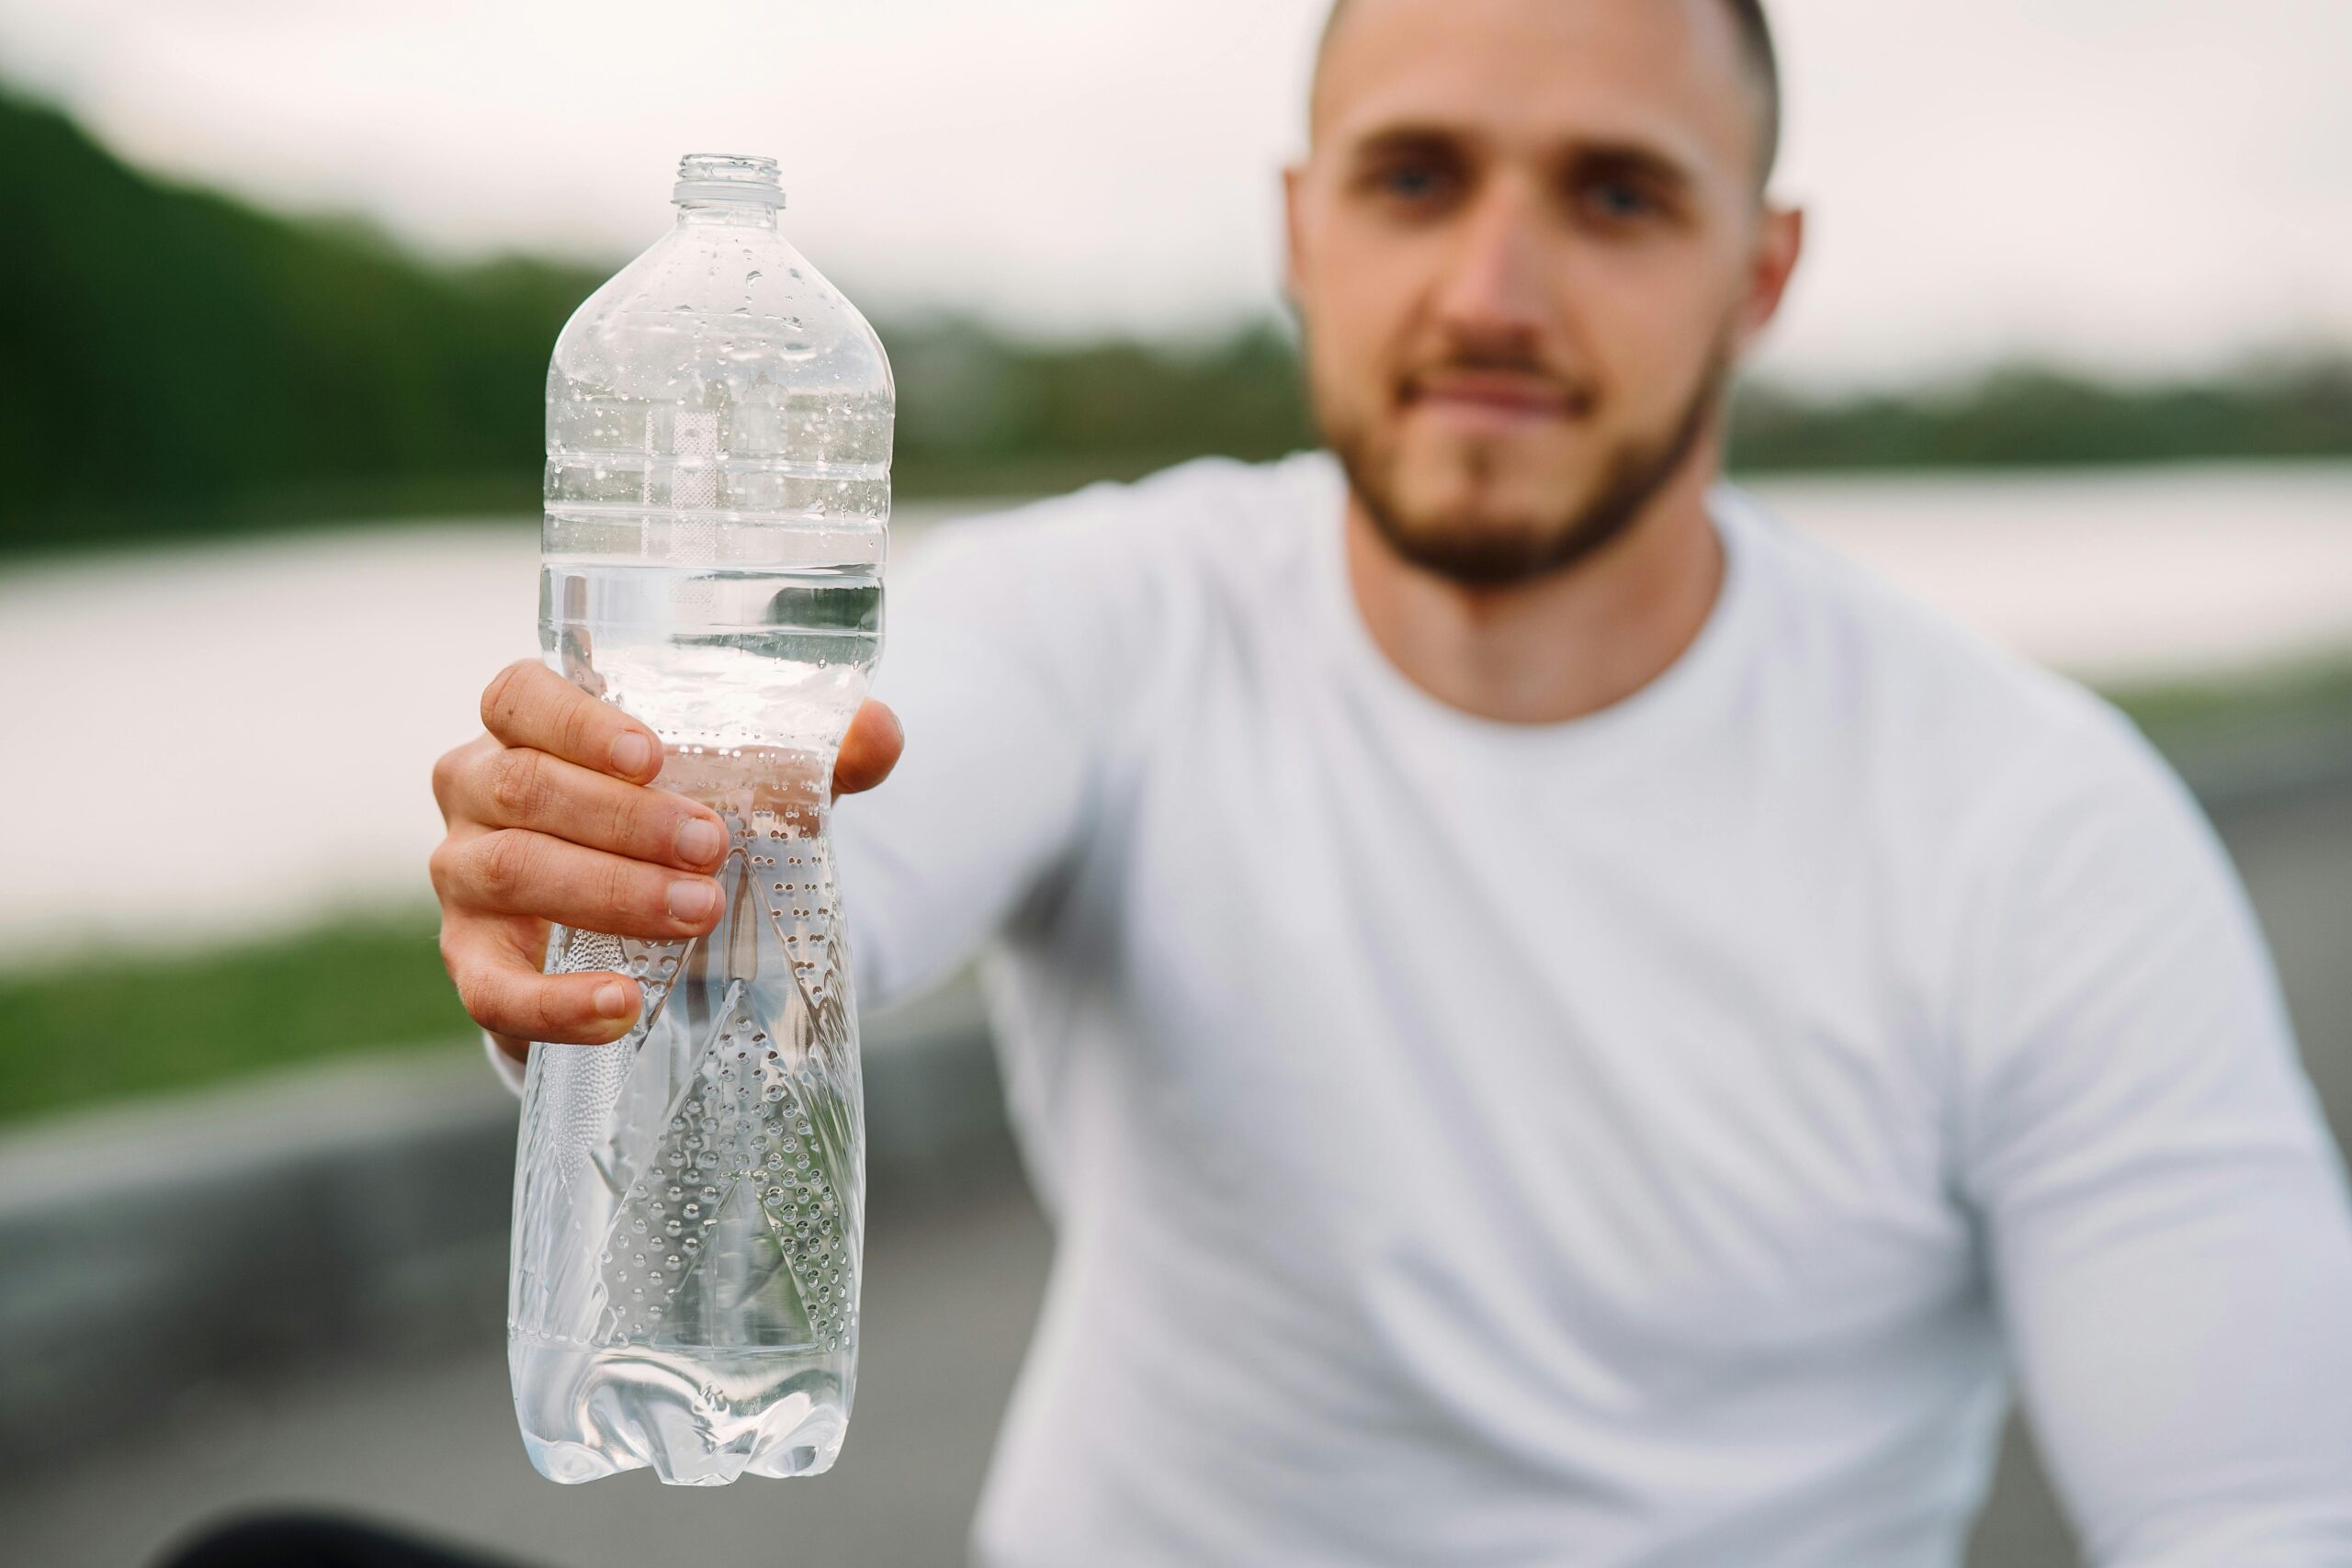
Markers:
1756,43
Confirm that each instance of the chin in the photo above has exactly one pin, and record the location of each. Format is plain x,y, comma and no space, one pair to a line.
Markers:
1489,504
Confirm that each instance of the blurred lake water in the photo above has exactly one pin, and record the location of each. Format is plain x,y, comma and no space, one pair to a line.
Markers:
269,709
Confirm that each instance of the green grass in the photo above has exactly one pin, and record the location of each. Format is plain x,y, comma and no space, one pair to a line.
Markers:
98,1027
2189,713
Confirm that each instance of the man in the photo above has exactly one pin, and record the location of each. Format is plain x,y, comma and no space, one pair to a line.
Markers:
1556,1021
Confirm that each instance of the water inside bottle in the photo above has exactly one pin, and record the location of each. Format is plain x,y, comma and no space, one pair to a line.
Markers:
689,1221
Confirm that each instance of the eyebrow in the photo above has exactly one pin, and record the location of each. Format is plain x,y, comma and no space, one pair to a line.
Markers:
1583,156
1633,158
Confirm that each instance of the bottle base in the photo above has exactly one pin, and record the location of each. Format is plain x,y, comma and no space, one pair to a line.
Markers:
694,1416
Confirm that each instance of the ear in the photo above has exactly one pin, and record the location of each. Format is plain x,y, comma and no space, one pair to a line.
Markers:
1293,253
1780,242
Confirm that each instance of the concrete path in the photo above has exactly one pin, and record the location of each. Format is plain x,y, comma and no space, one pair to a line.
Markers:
429,1442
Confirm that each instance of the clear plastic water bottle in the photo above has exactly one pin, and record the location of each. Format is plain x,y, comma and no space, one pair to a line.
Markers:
689,1203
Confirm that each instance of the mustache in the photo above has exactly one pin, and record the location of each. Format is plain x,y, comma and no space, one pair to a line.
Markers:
1577,392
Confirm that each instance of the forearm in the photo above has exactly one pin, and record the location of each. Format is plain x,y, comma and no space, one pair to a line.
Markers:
2165,1209
2186,1342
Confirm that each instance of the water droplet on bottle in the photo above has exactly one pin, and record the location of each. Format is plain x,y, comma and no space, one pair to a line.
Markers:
751,277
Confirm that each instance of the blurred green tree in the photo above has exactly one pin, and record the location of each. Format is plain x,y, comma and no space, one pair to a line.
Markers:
179,362
174,362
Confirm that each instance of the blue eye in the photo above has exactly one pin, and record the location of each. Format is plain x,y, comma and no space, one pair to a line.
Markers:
1619,199
1411,182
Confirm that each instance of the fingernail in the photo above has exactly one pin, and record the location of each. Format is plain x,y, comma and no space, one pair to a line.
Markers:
612,1000
699,841
692,901
631,752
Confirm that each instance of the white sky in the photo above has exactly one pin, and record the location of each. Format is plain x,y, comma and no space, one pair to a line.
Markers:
2144,184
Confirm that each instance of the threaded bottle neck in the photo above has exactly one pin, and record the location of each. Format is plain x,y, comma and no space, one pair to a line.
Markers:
727,187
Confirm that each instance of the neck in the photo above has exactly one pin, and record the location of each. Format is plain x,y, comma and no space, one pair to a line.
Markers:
1558,647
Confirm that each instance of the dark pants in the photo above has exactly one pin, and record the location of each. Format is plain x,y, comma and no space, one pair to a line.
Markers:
317,1540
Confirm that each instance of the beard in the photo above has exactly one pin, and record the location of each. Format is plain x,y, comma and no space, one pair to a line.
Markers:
1486,552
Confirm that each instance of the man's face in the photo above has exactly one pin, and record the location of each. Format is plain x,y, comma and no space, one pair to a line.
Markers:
1526,244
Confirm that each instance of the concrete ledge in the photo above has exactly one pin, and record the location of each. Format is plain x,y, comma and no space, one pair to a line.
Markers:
356,1207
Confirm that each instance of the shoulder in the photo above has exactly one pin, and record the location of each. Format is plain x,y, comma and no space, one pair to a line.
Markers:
2052,878
2027,837
1934,713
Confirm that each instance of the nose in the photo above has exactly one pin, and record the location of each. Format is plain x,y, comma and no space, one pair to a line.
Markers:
1493,288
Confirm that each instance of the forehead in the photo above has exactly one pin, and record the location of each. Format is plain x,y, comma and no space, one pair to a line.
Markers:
1535,73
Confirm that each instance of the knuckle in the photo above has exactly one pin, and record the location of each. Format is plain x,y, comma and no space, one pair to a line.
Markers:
478,995
546,1015
624,892
518,782
642,821
441,866
456,775
504,861
454,957
462,793
576,729
445,778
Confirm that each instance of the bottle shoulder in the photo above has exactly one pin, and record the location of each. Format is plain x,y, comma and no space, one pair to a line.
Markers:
735,308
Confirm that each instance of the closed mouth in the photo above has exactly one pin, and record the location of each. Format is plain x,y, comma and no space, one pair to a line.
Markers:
1504,394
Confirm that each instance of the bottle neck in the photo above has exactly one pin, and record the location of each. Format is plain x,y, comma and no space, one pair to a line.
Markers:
726,215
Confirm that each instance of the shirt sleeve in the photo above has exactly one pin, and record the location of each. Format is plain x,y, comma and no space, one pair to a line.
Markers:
2163,1206
1010,654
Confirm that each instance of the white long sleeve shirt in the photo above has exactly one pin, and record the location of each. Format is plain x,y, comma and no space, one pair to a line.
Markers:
1653,1139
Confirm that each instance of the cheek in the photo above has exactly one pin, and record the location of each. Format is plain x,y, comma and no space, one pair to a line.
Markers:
1363,298
1649,320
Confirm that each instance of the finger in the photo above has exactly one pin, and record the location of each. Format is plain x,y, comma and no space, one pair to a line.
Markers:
498,979
453,774
513,871
529,705
869,750
515,786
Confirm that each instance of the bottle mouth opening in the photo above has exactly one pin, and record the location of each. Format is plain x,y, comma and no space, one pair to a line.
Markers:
728,176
